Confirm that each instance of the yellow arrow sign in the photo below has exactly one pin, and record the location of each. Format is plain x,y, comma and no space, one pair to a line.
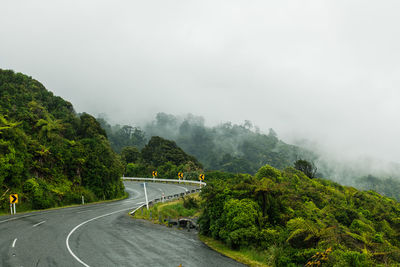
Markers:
180,175
14,198
201,177
154,173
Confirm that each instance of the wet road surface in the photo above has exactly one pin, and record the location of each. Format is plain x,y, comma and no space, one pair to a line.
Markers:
102,235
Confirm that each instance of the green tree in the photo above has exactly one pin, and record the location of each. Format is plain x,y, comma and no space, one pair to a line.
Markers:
130,154
306,167
240,218
160,151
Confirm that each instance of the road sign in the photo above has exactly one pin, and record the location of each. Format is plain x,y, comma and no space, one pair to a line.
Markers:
14,199
154,173
180,175
201,177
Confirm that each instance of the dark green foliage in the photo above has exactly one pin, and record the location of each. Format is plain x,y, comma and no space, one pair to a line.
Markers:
296,219
138,170
306,167
226,147
190,202
159,151
130,154
48,154
89,127
165,157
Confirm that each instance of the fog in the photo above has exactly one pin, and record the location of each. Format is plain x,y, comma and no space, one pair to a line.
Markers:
320,73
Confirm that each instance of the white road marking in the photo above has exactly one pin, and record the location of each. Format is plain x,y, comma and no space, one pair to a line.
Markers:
13,244
16,218
122,203
38,224
83,223
182,188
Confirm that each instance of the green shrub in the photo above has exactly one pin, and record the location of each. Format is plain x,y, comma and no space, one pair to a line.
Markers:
268,171
190,202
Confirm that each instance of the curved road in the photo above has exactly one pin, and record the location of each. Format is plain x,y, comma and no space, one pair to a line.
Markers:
102,235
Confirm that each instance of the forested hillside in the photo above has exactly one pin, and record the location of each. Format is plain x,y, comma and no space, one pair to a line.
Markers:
49,155
163,156
297,221
226,147
244,149
124,136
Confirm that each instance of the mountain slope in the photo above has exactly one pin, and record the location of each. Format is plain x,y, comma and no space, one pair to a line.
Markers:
226,147
49,154
296,220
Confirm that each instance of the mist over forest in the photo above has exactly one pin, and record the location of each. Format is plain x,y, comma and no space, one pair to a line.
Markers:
244,148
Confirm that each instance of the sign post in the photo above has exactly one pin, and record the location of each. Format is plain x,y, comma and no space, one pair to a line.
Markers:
154,174
13,201
145,194
180,176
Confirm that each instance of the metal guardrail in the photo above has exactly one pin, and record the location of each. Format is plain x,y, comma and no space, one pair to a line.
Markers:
164,180
166,198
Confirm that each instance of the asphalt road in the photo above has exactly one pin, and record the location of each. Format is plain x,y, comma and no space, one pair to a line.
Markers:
102,235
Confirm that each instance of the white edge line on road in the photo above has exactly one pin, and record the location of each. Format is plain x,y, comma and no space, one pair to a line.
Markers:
13,244
16,218
38,223
182,187
79,225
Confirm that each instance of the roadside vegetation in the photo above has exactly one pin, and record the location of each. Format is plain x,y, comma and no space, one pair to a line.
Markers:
248,256
188,207
49,155
293,220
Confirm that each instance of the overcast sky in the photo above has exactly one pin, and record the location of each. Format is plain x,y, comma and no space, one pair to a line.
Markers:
327,71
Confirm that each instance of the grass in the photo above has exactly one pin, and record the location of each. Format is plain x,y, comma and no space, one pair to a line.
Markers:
172,210
250,257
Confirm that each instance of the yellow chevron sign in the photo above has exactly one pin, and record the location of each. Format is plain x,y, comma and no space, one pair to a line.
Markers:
14,198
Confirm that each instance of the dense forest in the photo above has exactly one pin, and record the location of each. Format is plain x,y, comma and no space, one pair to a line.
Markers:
50,155
163,156
298,221
226,147
244,149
